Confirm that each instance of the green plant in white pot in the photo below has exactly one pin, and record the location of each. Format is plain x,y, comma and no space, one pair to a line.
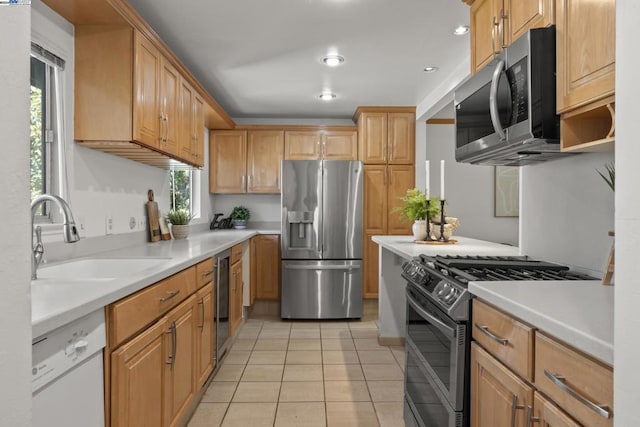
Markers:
414,208
179,220
240,215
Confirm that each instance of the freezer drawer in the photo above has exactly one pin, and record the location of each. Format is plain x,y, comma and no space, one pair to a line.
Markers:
321,289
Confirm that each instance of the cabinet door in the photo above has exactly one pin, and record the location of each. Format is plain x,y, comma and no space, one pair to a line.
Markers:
198,129
169,108
496,392
235,297
185,139
265,267
137,379
401,138
264,157
549,415
585,42
401,178
146,110
523,15
180,373
340,145
485,16
370,266
375,199
372,135
204,333
227,161
302,145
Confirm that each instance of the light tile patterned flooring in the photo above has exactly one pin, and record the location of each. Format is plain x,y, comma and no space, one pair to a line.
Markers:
302,373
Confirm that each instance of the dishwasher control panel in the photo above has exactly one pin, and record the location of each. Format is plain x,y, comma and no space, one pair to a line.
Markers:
61,349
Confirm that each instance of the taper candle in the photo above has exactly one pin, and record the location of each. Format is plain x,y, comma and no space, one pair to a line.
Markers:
426,188
442,180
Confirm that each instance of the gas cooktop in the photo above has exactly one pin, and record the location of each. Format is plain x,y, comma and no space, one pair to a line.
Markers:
444,279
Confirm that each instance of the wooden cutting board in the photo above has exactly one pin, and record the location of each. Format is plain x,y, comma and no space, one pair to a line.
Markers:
153,218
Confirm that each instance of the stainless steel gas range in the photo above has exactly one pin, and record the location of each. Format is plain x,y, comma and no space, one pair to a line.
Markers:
438,329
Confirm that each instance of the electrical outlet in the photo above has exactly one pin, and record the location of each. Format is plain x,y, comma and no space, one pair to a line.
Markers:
108,223
81,223
142,224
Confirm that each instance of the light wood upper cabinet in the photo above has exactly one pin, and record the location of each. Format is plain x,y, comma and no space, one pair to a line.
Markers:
244,161
138,371
329,144
585,51
191,141
265,267
496,392
386,136
264,158
170,105
227,161
146,117
495,24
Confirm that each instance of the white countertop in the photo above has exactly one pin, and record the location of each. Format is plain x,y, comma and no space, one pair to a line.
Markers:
580,313
55,302
406,248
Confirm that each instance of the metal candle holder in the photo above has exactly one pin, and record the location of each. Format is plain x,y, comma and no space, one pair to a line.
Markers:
428,237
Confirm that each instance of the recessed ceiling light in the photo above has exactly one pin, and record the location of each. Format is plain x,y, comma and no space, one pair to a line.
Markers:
327,96
461,30
332,60
430,69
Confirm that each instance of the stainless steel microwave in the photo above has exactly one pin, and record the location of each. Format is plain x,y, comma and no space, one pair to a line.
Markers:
506,112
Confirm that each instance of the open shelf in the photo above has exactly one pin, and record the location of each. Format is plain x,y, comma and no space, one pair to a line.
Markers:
590,128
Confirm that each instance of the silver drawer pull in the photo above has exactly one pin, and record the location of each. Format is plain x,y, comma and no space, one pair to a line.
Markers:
485,330
171,295
602,410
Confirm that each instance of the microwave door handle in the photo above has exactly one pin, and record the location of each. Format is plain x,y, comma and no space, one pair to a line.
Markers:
493,100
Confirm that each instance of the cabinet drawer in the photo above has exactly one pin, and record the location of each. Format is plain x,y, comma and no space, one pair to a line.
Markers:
575,382
204,272
236,253
134,312
505,337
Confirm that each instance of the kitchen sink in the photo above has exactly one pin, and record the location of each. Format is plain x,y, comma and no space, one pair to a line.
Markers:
98,268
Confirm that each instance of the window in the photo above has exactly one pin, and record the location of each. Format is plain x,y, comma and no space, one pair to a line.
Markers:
184,189
47,160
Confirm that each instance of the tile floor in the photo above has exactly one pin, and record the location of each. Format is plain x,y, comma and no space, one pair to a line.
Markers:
305,374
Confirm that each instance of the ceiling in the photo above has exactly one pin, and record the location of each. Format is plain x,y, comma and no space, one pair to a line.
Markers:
262,58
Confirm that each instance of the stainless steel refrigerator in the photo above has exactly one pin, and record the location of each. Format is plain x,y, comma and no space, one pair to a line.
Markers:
321,239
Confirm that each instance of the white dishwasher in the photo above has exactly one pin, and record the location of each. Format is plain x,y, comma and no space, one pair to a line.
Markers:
67,374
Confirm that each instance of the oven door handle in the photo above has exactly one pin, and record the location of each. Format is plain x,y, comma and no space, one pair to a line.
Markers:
445,329
493,100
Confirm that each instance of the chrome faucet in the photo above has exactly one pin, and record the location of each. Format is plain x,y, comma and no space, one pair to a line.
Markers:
69,230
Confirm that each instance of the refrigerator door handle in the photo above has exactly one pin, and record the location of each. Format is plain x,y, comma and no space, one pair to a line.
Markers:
322,267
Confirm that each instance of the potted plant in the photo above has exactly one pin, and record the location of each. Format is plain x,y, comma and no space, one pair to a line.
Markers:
240,215
414,208
179,220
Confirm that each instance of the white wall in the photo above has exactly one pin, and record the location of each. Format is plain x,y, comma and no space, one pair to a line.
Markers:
627,200
469,189
567,211
101,184
15,304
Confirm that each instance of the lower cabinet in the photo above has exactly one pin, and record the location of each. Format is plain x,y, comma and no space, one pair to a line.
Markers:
265,267
546,414
205,334
235,297
155,373
497,394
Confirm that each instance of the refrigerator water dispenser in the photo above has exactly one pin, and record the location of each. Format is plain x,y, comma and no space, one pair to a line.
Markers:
300,229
